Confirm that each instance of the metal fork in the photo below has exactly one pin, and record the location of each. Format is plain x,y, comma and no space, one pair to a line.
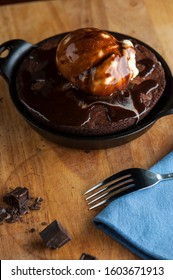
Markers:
121,183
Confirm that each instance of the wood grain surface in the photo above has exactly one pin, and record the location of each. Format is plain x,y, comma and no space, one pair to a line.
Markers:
60,175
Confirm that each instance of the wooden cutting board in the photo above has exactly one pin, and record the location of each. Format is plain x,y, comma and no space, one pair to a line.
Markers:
58,174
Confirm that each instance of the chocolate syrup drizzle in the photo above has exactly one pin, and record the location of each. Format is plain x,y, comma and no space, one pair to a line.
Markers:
53,100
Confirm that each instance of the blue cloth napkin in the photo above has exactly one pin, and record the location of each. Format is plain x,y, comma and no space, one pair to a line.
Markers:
143,220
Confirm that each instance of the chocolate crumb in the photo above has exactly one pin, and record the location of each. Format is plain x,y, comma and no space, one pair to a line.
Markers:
36,205
39,199
32,230
44,223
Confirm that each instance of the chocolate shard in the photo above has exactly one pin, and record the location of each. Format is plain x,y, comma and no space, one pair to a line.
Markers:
55,235
85,256
17,198
3,215
36,205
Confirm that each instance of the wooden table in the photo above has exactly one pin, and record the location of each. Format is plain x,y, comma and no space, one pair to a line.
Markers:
58,174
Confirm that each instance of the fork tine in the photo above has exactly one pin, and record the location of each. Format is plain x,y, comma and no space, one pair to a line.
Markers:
94,187
115,184
109,179
98,204
115,191
121,193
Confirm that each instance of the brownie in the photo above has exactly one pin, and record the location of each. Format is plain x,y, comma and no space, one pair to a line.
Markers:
56,103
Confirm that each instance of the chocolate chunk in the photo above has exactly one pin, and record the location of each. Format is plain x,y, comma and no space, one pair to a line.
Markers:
20,203
85,256
17,198
55,235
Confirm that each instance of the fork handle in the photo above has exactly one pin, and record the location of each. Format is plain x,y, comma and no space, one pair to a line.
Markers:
166,176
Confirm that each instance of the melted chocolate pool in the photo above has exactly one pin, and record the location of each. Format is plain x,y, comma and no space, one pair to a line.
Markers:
54,101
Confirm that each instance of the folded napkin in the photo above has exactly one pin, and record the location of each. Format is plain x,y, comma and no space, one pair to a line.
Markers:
143,220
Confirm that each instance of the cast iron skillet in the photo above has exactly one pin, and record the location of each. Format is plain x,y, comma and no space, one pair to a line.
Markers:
18,49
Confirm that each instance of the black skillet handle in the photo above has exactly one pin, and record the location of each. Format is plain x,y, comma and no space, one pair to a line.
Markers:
11,52
164,113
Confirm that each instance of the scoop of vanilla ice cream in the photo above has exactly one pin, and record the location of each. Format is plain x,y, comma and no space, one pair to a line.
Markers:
95,61
129,52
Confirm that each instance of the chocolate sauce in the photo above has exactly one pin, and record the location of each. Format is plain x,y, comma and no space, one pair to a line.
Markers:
54,101
149,66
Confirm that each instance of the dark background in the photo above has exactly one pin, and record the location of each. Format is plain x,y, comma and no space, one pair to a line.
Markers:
5,2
